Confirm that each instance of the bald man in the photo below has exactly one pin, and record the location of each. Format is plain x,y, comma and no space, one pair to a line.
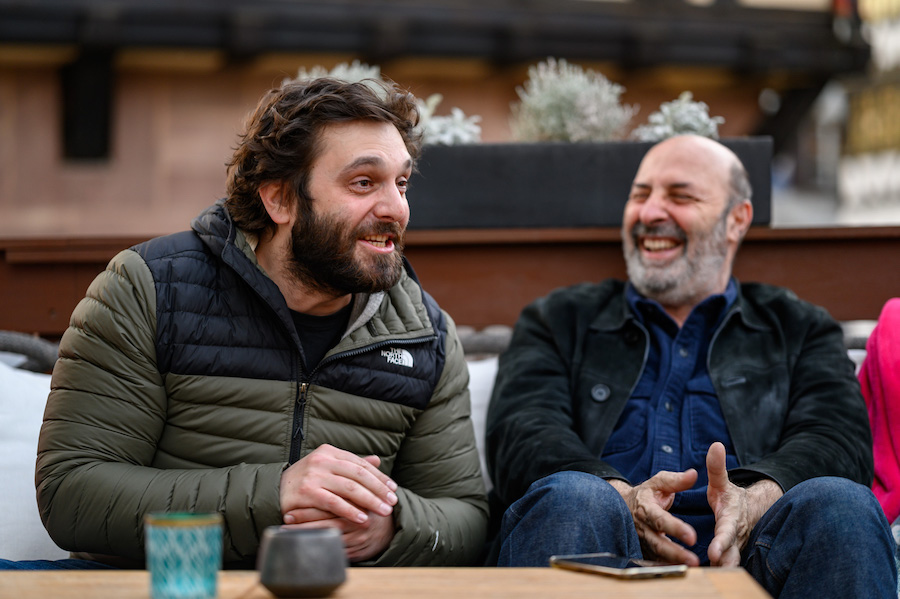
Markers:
686,417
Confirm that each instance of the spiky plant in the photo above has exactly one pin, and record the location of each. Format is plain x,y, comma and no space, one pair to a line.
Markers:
564,102
679,117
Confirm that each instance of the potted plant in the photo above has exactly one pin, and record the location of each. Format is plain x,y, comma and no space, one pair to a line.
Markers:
573,161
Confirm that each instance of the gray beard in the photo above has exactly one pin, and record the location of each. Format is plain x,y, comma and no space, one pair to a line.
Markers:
687,281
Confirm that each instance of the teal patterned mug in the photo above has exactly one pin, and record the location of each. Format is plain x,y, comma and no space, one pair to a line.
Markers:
184,554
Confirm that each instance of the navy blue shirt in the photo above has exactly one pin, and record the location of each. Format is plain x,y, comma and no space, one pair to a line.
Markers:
673,415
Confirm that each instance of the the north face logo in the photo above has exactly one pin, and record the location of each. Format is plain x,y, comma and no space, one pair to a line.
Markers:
397,356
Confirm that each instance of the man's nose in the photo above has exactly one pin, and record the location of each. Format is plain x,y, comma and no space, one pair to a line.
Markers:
392,205
654,209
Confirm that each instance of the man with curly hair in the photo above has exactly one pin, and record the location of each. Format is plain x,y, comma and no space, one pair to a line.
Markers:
278,364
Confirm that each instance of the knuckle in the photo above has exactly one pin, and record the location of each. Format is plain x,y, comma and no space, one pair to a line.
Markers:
349,486
332,503
317,458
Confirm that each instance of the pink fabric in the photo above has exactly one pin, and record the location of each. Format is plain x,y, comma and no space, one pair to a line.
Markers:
879,377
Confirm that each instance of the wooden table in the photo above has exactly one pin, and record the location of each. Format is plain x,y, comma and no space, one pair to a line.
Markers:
400,583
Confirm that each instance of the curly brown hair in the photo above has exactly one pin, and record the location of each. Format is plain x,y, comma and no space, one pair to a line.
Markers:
283,134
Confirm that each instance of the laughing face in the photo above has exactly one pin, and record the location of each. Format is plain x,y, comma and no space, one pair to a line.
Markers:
678,235
666,265
351,241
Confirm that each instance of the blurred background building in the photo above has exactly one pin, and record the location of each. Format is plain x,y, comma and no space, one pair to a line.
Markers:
117,116
868,179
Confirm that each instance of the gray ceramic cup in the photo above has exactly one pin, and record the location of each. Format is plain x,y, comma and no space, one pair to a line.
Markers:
309,562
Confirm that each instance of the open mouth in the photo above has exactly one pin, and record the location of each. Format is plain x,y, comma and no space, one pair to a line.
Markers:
658,244
379,241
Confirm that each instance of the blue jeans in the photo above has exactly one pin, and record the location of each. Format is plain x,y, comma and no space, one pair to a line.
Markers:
827,537
59,564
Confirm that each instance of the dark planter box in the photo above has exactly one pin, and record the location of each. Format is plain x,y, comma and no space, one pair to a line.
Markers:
549,184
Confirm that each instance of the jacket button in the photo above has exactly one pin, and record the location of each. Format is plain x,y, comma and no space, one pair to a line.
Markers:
600,392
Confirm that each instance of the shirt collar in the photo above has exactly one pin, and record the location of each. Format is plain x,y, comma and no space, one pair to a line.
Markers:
713,307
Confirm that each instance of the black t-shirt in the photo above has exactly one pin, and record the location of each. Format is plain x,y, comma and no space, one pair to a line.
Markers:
318,334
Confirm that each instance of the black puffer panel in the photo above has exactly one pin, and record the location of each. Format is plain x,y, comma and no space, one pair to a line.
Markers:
403,372
198,334
251,335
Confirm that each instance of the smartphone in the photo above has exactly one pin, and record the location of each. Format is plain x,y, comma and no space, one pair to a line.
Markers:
618,566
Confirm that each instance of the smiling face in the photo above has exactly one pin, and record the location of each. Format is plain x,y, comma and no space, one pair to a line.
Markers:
679,236
351,239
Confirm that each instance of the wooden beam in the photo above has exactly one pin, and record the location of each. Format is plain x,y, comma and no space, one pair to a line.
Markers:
486,276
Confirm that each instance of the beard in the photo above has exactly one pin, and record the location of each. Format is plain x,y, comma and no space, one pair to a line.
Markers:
323,255
689,278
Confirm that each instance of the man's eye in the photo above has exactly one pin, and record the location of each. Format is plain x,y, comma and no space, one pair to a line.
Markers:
364,183
403,185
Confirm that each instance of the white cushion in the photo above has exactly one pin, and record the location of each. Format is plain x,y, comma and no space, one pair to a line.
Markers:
23,395
857,355
481,383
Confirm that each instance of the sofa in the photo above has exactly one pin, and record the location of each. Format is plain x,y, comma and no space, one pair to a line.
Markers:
23,394
22,397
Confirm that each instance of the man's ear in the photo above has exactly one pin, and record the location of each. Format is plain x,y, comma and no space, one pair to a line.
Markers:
739,221
276,203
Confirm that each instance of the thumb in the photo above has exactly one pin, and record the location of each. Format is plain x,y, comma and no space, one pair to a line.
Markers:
715,466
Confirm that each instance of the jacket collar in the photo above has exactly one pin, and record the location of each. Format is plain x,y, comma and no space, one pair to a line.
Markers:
617,312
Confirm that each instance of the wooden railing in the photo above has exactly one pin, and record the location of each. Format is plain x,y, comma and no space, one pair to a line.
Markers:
486,276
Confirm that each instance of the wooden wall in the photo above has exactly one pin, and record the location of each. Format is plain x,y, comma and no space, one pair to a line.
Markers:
483,277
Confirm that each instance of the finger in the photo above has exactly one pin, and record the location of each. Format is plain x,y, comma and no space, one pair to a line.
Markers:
672,482
356,485
350,500
664,549
336,481
366,467
367,541
723,542
339,523
357,553
351,478
723,554
324,490
376,461
658,520
715,466
732,558
309,514
354,540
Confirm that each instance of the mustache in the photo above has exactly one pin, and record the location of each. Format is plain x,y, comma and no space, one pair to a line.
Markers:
668,229
381,228
394,229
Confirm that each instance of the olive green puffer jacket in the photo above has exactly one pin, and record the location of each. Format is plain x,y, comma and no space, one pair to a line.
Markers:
180,387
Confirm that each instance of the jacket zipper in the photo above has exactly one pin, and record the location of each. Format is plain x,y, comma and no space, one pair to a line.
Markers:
303,387
296,445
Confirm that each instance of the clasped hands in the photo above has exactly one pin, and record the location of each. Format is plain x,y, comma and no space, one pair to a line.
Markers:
334,488
737,510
